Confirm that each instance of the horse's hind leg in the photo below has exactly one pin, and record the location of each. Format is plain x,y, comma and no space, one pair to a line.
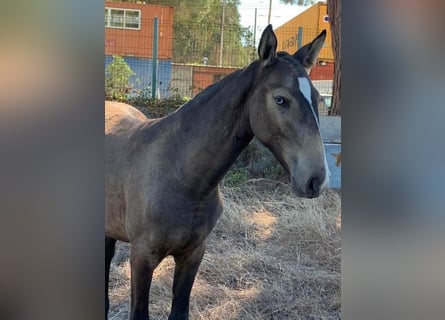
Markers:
143,262
110,245
187,266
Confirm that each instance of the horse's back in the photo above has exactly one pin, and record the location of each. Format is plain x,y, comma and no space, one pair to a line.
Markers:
121,121
120,117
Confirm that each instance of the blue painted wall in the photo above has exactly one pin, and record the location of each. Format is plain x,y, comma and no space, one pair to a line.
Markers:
335,178
330,127
142,68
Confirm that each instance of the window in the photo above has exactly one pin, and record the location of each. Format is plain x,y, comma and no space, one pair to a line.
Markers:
122,18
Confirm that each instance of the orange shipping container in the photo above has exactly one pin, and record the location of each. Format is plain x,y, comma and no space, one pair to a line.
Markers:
129,29
313,21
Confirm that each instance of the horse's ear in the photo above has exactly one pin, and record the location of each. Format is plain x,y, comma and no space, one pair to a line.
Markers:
267,49
308,53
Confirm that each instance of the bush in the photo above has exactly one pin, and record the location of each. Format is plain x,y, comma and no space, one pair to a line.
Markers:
156,108
117,79
236,177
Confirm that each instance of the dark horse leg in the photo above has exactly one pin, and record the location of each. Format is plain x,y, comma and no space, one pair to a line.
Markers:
110,245
187,266
143,262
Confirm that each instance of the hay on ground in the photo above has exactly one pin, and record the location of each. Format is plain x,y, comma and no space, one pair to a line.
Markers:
270,256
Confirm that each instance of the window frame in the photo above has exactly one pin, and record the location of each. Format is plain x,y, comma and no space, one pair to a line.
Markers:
108,18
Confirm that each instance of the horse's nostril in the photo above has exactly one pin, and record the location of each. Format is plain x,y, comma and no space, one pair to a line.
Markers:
313,185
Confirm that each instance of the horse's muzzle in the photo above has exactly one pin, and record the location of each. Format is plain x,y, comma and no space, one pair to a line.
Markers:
313,188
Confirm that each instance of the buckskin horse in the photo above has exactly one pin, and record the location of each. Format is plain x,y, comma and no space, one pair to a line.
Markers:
162,175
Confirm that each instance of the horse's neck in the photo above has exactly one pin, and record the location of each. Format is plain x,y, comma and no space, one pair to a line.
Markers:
215,128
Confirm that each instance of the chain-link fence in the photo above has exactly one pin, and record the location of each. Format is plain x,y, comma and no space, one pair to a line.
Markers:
168,59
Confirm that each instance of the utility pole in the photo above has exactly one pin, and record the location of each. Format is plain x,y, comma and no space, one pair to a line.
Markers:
222,32
254,35
270,11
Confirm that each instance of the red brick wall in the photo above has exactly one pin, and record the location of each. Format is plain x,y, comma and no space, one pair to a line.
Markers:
323,72
204,76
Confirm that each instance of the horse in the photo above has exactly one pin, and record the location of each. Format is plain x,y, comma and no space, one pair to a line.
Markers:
162,175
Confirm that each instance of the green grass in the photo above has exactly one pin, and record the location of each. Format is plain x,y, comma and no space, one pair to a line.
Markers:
236,177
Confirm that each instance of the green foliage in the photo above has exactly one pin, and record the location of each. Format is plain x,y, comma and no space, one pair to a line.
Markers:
197,32
156,108
117,75
236,177
275,171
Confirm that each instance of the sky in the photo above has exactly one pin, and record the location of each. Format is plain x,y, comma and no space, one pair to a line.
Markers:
280,13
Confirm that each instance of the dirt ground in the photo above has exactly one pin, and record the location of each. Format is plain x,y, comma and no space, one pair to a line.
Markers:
270,256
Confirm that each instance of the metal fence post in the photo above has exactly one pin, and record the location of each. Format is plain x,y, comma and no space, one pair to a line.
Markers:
300,37
155,58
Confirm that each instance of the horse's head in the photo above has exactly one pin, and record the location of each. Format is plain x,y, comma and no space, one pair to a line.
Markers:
283,113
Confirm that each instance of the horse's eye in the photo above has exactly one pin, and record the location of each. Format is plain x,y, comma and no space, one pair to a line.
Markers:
279,100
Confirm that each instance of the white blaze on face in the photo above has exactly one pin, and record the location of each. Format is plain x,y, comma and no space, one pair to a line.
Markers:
305,89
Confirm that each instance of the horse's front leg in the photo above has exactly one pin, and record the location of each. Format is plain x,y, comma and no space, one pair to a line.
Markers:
110,246
143,262
187,266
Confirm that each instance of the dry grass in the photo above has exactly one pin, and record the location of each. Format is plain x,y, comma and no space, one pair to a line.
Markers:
271,256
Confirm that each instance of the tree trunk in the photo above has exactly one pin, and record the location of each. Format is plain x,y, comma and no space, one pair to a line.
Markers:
334,12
